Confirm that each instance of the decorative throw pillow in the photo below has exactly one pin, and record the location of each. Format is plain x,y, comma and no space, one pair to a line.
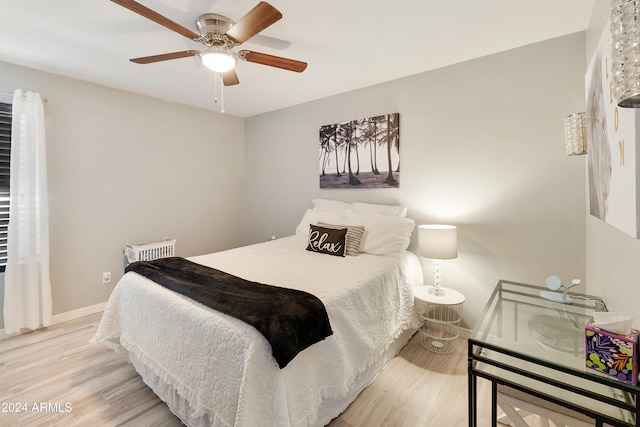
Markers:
327,240
354,236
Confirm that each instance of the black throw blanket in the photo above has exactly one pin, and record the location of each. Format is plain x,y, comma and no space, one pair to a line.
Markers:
289,319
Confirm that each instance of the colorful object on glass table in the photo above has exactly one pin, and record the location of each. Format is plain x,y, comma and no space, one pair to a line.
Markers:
612,354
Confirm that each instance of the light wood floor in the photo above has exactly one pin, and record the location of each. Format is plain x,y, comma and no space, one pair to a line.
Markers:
84,384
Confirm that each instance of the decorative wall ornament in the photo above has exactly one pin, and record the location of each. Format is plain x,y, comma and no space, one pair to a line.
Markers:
611,134
625,52
575,134
362,153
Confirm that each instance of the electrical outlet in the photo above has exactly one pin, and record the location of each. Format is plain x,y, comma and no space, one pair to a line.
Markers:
106,277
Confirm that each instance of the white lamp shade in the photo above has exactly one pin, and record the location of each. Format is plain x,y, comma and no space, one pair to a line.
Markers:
438,241
218,60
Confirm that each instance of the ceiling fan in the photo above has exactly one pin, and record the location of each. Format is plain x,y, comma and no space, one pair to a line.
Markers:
220,34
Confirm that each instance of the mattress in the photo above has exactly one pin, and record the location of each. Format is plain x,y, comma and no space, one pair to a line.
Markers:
213,369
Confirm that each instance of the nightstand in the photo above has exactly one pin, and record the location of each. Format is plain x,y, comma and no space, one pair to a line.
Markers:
441,315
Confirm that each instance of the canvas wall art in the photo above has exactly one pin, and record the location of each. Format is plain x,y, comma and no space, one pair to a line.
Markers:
611,134
362,153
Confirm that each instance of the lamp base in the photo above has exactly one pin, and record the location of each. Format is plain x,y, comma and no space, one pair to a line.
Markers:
437,291
437,279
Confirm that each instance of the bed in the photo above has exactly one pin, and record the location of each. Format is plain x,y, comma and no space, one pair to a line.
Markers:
213,369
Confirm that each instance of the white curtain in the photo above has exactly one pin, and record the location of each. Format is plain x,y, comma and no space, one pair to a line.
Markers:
27,290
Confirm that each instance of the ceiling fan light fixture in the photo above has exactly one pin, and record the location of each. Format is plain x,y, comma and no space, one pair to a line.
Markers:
218,60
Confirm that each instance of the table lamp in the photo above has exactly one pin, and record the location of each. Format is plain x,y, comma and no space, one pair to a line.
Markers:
438,242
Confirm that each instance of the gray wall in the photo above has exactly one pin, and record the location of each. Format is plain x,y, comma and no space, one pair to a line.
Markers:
482,147
123,168
613,257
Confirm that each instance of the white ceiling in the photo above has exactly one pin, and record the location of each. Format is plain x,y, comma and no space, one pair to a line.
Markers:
348,44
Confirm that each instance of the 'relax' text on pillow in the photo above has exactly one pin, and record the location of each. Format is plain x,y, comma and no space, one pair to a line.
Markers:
327,240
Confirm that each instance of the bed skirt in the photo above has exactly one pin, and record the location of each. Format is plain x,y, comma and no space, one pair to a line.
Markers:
329,409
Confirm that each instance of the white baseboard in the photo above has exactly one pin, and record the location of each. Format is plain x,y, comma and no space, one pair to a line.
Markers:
72,315
76,314
464,332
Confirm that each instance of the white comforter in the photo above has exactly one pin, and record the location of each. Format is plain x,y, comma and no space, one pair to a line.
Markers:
224,368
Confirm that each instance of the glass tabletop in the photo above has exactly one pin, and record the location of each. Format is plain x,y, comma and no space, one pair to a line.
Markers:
517,318
522,332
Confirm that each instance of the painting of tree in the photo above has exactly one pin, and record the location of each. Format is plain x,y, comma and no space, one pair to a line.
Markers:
362,153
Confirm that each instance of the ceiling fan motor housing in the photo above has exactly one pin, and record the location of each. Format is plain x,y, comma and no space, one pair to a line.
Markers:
212,26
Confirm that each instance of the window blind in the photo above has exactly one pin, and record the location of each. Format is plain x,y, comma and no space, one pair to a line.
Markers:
5,164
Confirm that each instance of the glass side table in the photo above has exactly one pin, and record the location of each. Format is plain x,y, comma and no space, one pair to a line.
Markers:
441,315
534,348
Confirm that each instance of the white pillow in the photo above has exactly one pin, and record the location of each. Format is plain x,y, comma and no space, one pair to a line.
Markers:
312,216
389,237
367,219
393,211
383,235
330,205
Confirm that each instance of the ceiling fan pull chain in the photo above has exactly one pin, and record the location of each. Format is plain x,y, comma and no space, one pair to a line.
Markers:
218,84
216,79
221,93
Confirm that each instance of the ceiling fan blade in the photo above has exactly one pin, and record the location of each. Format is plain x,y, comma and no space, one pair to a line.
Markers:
273,61
164,57
230,78
256,20
156,17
